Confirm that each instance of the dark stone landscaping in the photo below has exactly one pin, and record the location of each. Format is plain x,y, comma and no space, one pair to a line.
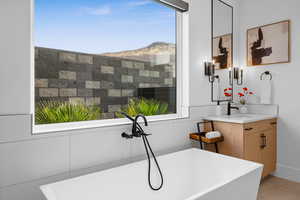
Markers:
103,81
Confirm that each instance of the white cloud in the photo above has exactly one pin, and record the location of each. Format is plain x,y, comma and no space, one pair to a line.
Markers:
139,3
104,10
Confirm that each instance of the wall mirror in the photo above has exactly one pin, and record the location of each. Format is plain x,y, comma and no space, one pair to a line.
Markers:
222,34
222,49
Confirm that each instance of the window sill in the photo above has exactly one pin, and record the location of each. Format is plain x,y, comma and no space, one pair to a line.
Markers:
61,127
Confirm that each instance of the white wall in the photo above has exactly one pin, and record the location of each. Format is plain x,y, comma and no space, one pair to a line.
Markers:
200,46
285,76
15,57
200,50
27,161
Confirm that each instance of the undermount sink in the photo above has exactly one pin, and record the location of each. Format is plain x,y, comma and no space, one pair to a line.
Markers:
240,118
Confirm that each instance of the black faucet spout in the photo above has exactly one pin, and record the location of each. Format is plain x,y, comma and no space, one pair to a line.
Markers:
230,107
142,116
137,130
127,116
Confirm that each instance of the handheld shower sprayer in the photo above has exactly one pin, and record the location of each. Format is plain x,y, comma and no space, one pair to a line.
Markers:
137,131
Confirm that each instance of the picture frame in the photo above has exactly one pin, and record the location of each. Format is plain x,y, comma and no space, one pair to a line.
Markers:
269,44
222,51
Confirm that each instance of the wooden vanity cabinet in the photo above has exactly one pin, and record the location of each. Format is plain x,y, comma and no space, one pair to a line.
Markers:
256,141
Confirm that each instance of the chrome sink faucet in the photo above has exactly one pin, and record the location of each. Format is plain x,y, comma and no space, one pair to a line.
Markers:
230,107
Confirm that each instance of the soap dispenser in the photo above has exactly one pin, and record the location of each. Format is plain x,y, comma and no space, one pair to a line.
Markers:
219,109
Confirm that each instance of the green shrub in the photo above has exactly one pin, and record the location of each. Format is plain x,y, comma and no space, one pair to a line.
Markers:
48,112
146,107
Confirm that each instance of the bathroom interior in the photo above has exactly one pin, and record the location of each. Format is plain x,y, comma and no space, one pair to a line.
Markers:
149,99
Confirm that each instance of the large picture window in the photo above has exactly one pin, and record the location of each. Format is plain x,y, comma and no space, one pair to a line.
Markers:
94,59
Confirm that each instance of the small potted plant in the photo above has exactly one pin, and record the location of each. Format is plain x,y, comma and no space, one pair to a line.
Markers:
243,97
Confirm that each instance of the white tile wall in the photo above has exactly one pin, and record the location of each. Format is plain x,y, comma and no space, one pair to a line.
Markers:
264,109
29,190
29,160
106,145
15,127
174,132
97,147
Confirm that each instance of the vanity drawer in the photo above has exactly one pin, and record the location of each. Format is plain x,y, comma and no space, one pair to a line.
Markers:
260,126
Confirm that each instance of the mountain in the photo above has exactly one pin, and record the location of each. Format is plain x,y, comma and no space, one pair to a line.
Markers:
149,53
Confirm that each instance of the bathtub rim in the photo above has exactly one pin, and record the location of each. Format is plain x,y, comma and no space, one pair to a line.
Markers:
49,193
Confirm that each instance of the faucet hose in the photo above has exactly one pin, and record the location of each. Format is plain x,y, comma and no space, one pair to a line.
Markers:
148,148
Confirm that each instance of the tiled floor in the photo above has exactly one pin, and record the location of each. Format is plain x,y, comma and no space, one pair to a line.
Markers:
273,188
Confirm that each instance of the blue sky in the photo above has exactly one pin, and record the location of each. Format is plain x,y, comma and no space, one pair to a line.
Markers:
98,26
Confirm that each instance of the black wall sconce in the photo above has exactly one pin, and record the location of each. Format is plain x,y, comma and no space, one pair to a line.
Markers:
209,70
235,74
238,75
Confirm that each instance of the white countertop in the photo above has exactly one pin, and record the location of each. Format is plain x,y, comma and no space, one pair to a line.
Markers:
240,118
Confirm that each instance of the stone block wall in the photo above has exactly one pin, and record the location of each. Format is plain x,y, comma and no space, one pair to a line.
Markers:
98,80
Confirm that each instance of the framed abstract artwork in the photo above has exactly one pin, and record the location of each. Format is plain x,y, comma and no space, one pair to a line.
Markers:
269,44
222,51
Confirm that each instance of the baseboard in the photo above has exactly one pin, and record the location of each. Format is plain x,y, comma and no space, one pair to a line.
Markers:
289,173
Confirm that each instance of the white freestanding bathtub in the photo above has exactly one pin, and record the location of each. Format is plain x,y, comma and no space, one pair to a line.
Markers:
188,175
